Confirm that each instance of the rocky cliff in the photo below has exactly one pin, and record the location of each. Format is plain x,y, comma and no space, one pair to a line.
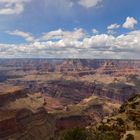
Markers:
25,118
25,125
124,125
12,96
75,91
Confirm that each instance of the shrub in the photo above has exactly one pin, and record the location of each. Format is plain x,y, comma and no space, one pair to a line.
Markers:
75,134
133,106
104,128
112,135
138,125
132,118
120,121
83,134
130,137
133,97
122,108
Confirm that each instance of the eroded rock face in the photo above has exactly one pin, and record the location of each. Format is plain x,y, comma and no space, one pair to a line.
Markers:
72,122
65,65
126,121
7,97
25,113
8,125
70,91
25,117
108,68
74,92
93,113
24,124
70,65
120,94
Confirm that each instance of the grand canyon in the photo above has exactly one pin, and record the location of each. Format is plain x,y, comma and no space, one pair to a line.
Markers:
42,98
69,69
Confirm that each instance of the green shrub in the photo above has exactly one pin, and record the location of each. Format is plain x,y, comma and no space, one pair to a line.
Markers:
133,97
120,121
138,125
112,135
83,134
75,134
130,137
132,118
122,108
104,128
133,106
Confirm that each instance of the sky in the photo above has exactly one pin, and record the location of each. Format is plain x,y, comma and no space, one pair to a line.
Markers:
101,29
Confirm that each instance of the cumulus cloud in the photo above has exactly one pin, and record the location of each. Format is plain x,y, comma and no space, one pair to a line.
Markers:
24,35
8,7
130,23
111,32
113,26
89,3
76,34
94,46
95,31
122,46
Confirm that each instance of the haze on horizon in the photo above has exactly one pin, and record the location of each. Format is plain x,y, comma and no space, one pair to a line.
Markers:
70,29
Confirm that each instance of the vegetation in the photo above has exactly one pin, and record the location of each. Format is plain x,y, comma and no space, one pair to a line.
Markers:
122,108
104,128
110,135
120,121
75,134
114,128
138,125
83,134
130,137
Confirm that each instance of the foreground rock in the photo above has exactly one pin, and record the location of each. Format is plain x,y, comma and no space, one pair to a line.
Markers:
24,124
126,123
26,119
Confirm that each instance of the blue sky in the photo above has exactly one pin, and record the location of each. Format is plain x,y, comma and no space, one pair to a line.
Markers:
70,28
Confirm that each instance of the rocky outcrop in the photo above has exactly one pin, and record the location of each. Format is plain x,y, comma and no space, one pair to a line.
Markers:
70,91
24,117
7,97
125,122
72,122
75,91
24,124
64,65
120,94
108,68
8,124
71,65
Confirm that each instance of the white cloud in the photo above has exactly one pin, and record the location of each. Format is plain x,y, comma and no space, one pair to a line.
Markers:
24,35
76,34
95,31
89,3
113,26
123,44
8,7
95,46
130,23
111,32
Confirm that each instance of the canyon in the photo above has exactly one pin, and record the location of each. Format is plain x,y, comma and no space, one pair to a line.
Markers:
39,98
